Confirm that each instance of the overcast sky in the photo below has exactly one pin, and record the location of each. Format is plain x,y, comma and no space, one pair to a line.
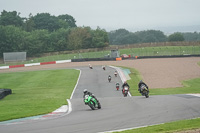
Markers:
114,14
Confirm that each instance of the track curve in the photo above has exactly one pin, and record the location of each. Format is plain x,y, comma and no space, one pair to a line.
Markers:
117,112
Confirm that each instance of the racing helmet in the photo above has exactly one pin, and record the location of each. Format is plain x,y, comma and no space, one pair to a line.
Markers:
85,91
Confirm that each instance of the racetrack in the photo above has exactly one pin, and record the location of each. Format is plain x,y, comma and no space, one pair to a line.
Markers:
117,112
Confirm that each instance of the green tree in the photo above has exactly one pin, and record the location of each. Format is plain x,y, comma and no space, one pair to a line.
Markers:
29,24
100,38
59,40
46,21
79,38
10,18
191,36
176,37
68,19
151,36
117,37
12,39
37,42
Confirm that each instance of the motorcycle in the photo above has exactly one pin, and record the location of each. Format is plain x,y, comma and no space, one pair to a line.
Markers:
125,91
109,79
90,66
117,86
144,91
115,74
92,102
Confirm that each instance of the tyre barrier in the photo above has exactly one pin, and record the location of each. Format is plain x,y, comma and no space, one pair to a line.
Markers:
4,92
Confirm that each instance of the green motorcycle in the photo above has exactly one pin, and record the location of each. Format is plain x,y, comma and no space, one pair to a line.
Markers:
92,102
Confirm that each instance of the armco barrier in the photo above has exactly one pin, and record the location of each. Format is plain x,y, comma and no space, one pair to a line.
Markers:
4,92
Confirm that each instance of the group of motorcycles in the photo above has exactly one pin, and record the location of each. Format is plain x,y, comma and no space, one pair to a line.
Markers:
93,103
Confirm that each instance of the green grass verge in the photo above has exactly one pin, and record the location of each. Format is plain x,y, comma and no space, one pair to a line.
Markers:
36,92
145,51
160,51
168,127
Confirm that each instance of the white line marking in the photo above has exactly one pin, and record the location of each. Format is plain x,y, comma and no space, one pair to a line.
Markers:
76,84
119,130
197,95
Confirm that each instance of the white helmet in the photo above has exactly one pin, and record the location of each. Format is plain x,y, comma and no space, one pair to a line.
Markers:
85,90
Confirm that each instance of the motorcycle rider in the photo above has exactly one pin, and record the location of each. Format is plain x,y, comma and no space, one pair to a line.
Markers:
140,84
109,78
90,66
117,85
86,92
125,84
104,68
115,73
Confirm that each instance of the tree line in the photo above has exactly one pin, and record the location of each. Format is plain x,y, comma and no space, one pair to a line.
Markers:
123,36
46,33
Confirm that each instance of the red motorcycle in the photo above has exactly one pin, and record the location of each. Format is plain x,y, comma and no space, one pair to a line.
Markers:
125,91
117,86
115,74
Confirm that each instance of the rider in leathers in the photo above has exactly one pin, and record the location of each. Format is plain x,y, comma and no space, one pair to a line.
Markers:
140,84
86,92
125,84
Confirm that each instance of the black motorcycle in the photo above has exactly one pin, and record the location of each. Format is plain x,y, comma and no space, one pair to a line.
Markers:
144,91
109,78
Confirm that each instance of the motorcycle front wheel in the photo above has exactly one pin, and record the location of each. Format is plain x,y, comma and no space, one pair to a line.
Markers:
99,105
146,95
92,106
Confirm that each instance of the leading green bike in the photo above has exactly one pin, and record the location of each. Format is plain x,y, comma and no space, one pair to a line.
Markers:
92,102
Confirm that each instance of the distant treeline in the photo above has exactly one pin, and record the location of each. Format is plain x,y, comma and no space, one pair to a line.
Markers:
123,36
44,33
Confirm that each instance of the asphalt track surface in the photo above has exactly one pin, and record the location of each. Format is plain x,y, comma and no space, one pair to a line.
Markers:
117,112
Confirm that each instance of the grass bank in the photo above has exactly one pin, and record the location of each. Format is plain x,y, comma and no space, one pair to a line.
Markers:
36,92
171,127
